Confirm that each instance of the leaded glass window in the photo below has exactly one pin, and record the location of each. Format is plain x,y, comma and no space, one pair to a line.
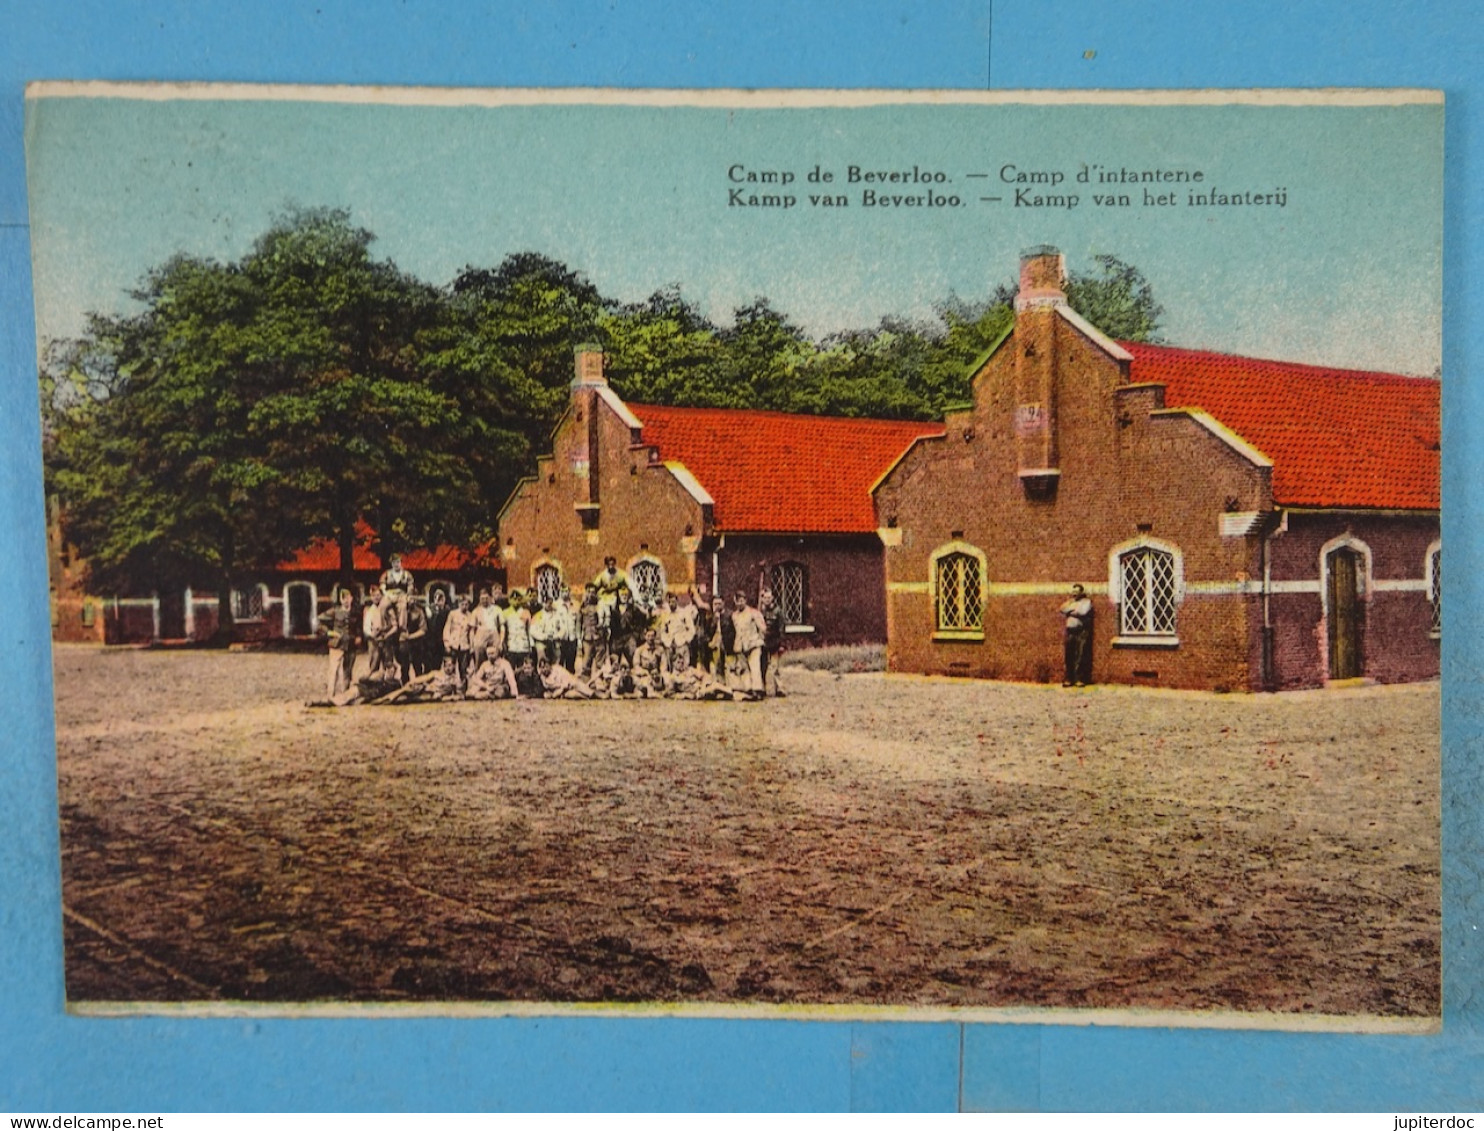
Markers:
548,583
247,604
960,592
787,582
1148,584
647,579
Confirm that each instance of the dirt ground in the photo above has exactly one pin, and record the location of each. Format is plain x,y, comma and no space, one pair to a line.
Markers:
870,839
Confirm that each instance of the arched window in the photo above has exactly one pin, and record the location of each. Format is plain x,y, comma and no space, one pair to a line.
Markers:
958,589
1433,571
547,581
647,580
787,580
1146,580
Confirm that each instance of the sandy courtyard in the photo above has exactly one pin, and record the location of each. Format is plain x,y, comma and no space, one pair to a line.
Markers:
870,839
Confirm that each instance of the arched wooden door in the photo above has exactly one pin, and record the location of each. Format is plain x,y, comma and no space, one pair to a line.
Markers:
301,608
1346,614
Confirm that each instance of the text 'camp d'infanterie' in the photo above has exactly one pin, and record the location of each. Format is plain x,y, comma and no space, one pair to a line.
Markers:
1093,185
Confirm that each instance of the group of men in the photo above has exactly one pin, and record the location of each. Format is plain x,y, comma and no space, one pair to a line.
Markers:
606,644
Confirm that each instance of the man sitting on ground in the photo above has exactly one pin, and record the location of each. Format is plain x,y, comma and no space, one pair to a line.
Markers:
493,679
562,684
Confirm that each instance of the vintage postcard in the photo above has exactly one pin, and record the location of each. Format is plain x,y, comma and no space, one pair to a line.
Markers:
873,554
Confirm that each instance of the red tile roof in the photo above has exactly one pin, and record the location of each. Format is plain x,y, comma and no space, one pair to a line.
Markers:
323,555
1337,437
782,472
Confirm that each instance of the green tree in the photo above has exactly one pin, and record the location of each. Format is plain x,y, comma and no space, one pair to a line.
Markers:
149,438
664,351
503,354
1117,299
346,416
763,352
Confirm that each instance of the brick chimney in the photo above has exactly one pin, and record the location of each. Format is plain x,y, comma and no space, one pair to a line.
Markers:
589,368
587,379
1042,277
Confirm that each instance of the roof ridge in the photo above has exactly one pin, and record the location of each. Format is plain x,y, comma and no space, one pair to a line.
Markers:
1317,370
638,407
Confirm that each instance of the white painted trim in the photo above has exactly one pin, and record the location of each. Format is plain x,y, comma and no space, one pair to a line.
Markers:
1233,587
691,484
1401,585
189,601
909,587
957,547
646,556
1146,642
1044,588
615,402
1367,584
1436,608
1239,524
1305,585
1093,334
261,588
288,633
891,467
798,628
538,564
1143,542
1220,431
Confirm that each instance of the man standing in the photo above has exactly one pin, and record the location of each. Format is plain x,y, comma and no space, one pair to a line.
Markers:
488,627
751,632
341,623
626,625
571,631
412,647
517,630
1077,642
591,627
458,635
723,640
773,625
371,630
433,641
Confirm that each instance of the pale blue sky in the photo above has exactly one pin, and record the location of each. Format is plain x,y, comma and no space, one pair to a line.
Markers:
636,197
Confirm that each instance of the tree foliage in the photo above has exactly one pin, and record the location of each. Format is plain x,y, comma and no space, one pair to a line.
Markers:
1117,299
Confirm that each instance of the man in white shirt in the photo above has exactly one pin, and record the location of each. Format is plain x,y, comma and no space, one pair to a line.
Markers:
751,632
1077,639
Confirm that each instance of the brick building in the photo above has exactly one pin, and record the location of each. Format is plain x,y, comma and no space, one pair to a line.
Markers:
719,499
278,603
1240,524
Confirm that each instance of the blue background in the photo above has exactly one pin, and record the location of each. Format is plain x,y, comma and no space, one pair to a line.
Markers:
49,1061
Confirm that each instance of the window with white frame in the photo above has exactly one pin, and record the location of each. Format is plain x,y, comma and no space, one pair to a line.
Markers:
1148,592
647,580
1435,587
959,591
247,604
787,580
548,582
